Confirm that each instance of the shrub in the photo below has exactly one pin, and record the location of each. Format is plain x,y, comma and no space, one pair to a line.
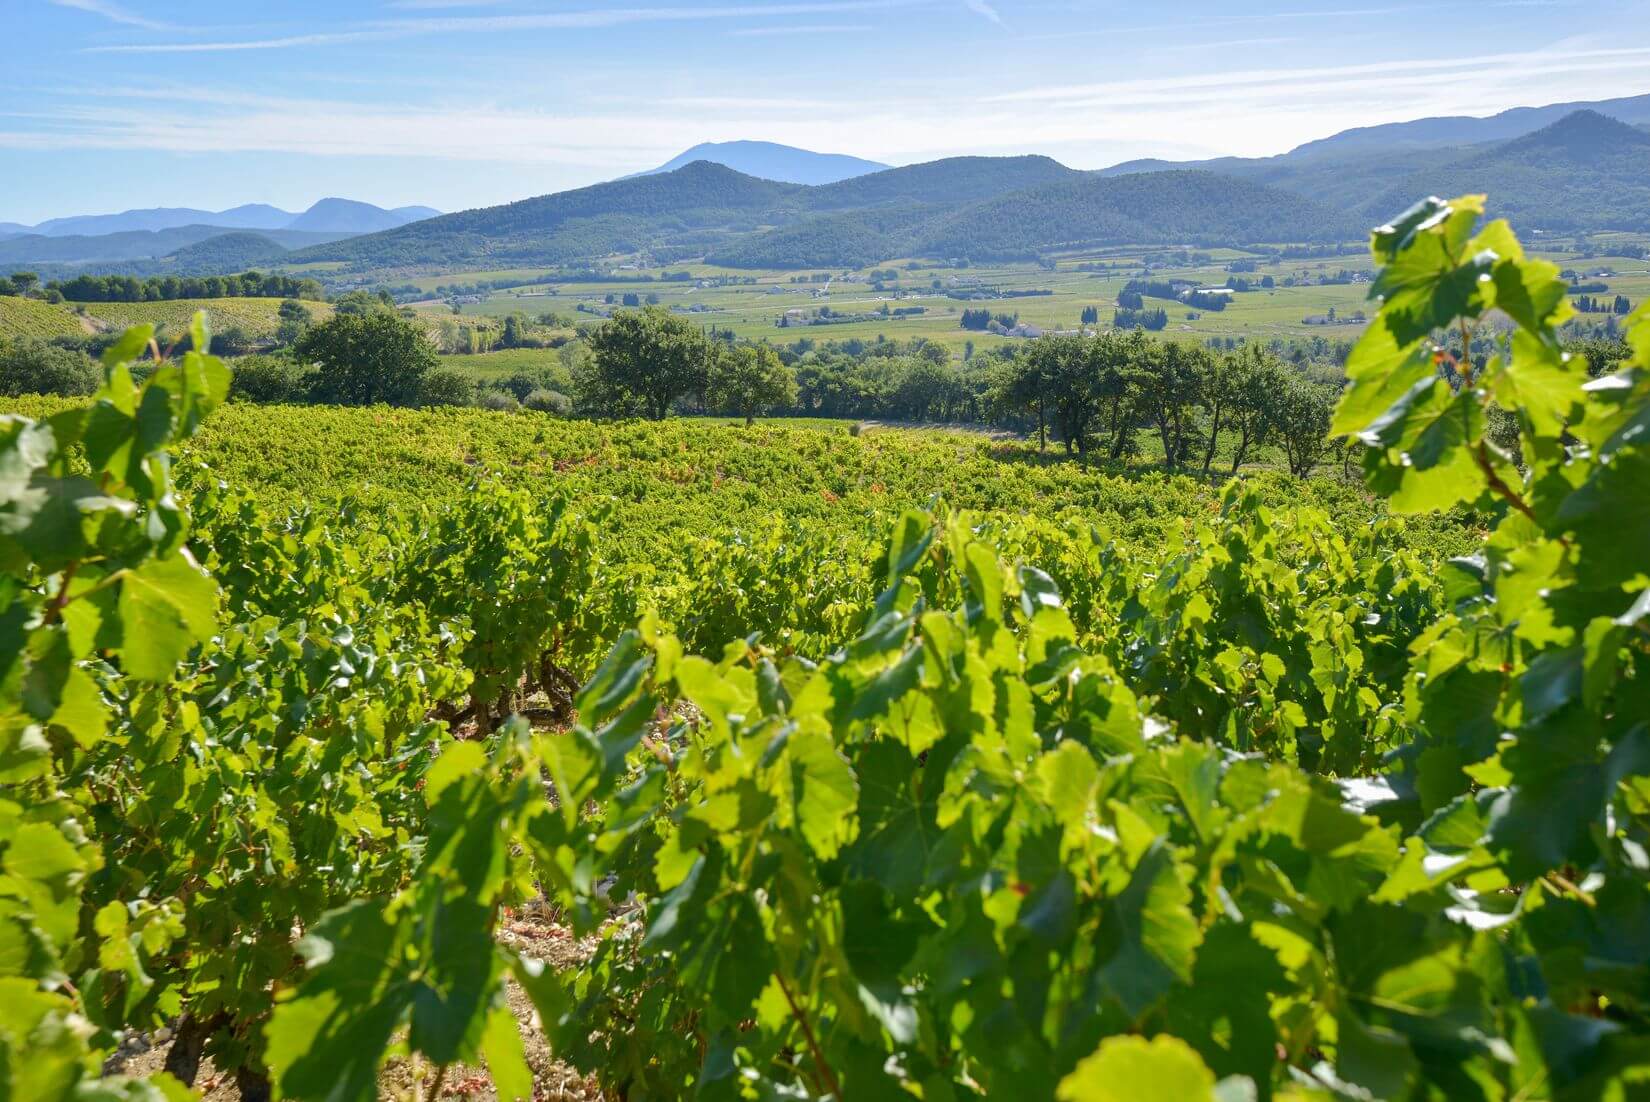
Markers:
520,384
34,367
549,401
367,358
233,341
447,386
499,401
268,380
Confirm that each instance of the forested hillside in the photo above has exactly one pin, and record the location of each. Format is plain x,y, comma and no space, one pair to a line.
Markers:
1584,172
619,216
954,180
967,206
1170,207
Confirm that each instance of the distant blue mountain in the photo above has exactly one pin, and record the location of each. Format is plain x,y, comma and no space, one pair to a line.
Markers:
350,216
327,216
770,161
1465,130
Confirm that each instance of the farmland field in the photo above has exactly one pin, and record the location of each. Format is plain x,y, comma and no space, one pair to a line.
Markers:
505,362
754,310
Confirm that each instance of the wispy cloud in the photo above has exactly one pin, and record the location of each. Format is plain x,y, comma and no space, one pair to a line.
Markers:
595,18
114,13
805,28
324,38
1251,112
1438,69
980,7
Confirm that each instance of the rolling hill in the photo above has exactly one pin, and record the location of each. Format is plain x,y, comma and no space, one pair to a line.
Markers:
771,161
953,180
1082,209
698,209
1584,172
619,216
1174,207
134,245
227,252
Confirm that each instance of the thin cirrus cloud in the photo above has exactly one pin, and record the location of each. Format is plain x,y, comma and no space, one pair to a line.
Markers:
593,18
114,13
1436,70
1247,112
802,29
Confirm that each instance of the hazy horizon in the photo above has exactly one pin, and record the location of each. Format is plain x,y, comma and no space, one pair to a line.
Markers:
114,106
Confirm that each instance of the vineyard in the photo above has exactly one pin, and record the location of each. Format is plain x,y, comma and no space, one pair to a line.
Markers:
32,317
904,765
257,317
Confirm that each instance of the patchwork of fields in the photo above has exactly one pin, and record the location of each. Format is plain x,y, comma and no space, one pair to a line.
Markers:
754,310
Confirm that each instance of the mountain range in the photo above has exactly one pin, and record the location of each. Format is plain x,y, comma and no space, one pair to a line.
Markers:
1456,130
979,207
1559,168
1583,172
185,241
326,216
134,251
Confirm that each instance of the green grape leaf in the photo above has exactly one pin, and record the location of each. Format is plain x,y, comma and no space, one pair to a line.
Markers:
1381,373
1150,937
824,792
167,606
327,1039
129,345
913,535
1541,382
1129,1069
1609,515
506,1058
898,834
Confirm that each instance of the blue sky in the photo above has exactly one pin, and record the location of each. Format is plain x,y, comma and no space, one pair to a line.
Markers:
112,104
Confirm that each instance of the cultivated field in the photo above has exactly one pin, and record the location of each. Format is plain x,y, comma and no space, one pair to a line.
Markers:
1304,288
258,317
28,317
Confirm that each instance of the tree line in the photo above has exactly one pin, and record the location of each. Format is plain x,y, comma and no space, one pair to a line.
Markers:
119,288
1099,396
1096,393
